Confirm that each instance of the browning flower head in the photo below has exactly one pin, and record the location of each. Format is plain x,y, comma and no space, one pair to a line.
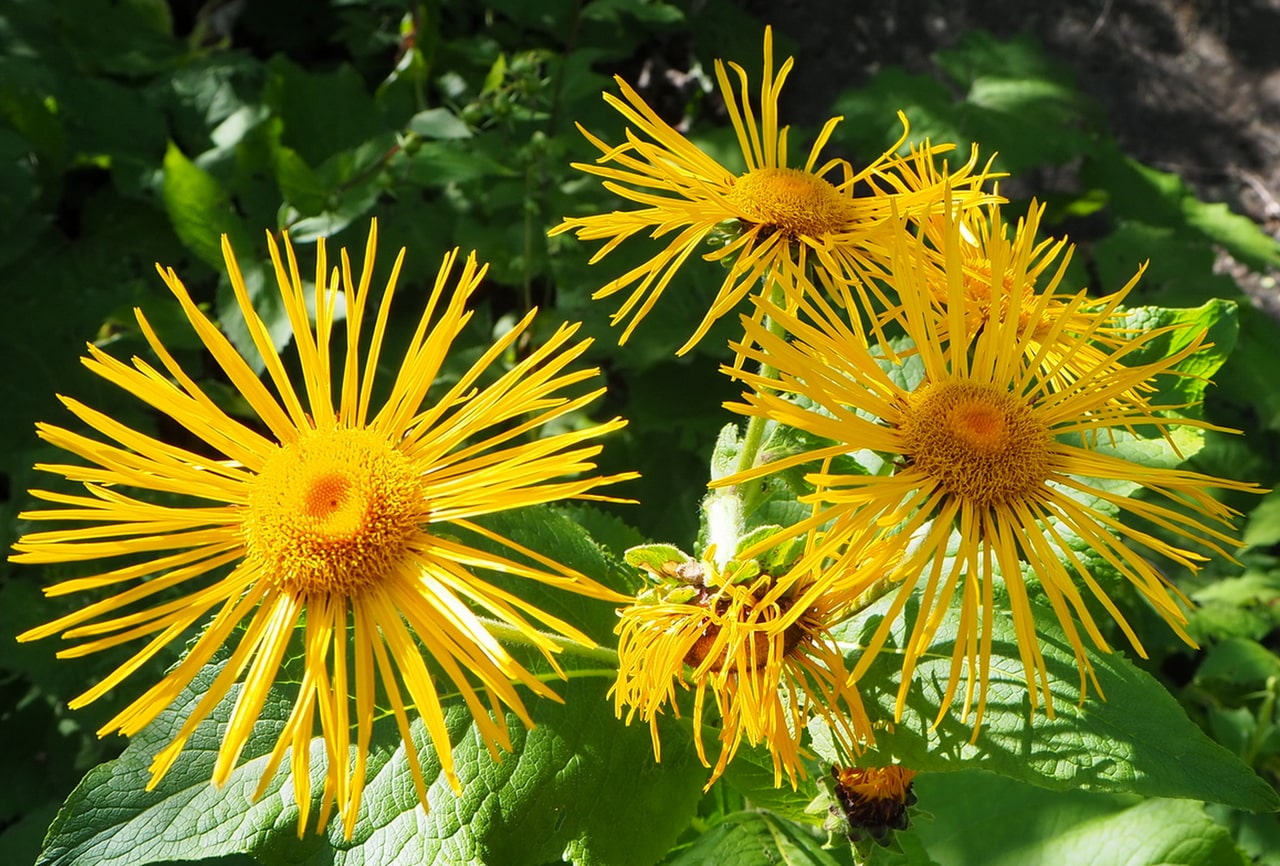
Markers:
724,636
791,228
874,800
320,537
993,468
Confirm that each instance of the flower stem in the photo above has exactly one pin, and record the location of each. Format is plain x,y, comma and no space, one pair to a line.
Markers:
753,437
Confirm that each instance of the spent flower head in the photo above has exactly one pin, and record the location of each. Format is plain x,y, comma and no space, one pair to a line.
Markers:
872,800
714,628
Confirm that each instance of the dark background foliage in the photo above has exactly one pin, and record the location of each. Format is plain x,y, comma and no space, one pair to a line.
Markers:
137,131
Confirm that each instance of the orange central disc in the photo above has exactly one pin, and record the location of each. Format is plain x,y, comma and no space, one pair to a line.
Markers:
977,441
333,512
791,201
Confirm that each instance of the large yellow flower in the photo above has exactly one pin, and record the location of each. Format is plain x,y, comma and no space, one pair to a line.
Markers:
991,468
717,631
784,224
326,528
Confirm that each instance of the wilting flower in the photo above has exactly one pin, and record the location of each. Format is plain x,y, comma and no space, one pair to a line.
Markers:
713,628
873,800
330,527
783,224
990,467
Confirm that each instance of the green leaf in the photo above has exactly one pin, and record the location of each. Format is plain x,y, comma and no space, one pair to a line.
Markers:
1014,92
1138,192
870,112
1243,606
199,207
554,532
558,794
440,163
113,120
112,819
1021,824
1179,270
1241,236
751,774
1138,740
1215,319
655,556
309,102
19,187
299,185
1248,378
1263,528
1257,835
438,123
1238,661
649,11
754,839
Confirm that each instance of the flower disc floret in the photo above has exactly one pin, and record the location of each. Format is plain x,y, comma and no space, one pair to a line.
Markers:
977,442
793,202
333,512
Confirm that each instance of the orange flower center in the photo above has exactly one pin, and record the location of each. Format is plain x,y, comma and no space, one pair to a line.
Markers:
977,441
791,201
333,513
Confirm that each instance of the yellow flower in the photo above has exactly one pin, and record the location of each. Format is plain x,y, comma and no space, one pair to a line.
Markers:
985,453
723,638
785,223
326,528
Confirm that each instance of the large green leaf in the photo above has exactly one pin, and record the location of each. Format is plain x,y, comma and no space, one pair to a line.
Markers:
1215,320
1138,740
563,792
1021,824
754,839
200,208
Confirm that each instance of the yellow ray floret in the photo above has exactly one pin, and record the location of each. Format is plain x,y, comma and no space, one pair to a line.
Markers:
326,528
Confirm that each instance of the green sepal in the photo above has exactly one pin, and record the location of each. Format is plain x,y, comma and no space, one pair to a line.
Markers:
737,571
655,559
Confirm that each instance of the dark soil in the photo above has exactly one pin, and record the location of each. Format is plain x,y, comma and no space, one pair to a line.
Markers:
1188,86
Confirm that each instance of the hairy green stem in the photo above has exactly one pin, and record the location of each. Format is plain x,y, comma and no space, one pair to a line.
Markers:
753,437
